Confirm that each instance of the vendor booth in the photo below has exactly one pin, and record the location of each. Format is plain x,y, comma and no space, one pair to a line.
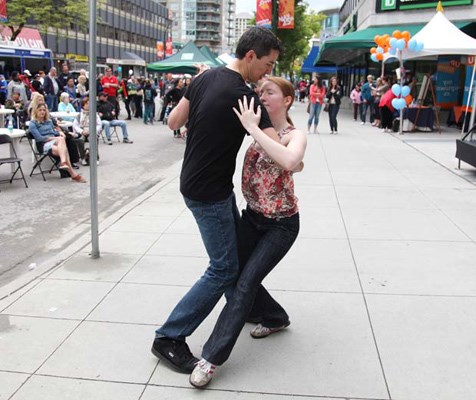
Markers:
441,37
26,52
183,62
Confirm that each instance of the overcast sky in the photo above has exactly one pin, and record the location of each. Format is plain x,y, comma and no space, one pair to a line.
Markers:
317,5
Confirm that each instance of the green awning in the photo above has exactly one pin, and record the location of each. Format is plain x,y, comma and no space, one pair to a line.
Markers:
347,47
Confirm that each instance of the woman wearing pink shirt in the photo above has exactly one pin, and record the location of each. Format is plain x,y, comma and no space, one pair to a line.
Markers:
316,99
356,100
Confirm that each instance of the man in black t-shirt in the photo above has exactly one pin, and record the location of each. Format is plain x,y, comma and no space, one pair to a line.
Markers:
215,135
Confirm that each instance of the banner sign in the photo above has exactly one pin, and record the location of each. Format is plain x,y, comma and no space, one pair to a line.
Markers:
286,14
447,81
396,5
160,49
169,51
264,13
29,38
3,11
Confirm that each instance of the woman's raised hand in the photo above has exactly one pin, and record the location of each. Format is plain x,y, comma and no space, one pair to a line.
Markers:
248,117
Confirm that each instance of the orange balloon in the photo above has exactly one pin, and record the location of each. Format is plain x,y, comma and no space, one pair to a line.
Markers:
387,41
379,56
408,99
397,34
377,39
406,35
373,50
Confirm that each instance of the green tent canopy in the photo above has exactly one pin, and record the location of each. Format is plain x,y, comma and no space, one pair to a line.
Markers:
183,62
205,50
345,48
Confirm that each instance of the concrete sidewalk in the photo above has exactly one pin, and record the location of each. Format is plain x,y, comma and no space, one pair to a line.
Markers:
380,287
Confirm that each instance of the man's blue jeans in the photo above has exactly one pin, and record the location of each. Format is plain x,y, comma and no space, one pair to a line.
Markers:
115,122
262,243
367,106
217,222
52,102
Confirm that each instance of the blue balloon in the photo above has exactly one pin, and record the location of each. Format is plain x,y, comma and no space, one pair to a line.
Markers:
373,57
379,50
402,103
395,104
401,44
392,50
412,44
419,46
405,91
396,89
393,42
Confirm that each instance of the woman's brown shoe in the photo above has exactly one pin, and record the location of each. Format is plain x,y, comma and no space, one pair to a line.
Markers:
78,178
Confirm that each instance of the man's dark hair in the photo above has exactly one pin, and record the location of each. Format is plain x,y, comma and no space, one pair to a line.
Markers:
261,40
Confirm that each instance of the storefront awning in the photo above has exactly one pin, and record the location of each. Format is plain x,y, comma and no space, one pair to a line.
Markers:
128,58
308,66
347,47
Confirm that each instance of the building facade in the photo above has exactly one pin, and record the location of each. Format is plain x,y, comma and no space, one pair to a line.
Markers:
206,22
361,20
242,23
127,35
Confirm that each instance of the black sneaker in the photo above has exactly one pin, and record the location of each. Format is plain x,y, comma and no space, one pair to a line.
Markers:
176,353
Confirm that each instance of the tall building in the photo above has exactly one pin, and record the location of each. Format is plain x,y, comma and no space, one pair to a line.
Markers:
242,23
127,35
206,22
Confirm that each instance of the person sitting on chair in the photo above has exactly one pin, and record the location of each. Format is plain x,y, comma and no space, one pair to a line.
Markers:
66,106
81,131
108,118
48,138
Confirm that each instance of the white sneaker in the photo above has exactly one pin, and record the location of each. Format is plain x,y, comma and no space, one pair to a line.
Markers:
260,331
202,374
362,123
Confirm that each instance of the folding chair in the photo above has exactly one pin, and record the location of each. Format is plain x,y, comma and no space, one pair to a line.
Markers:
13,159
39,157
102,134
114,133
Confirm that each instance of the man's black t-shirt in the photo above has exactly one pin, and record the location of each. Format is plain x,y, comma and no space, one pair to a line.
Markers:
215,134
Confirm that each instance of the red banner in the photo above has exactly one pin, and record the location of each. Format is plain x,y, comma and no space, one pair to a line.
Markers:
286,14
160,50
264,13
169,48
3,11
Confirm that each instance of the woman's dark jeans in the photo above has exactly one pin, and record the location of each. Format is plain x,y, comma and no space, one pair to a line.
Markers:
333,110
262,243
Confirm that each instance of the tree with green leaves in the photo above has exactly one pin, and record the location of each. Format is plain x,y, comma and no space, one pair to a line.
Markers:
296,41
307,24
56,14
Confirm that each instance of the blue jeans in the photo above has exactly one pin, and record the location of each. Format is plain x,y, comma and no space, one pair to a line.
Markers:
367,106
262,243
115,122
217,222
148,112
333,110
52,102
314,112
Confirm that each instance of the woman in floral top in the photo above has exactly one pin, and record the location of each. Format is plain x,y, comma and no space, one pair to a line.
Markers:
268,228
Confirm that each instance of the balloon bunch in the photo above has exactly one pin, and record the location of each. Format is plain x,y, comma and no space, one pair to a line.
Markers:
403,97
392,44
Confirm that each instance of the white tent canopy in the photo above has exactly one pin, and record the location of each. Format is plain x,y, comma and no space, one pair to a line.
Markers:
441,37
